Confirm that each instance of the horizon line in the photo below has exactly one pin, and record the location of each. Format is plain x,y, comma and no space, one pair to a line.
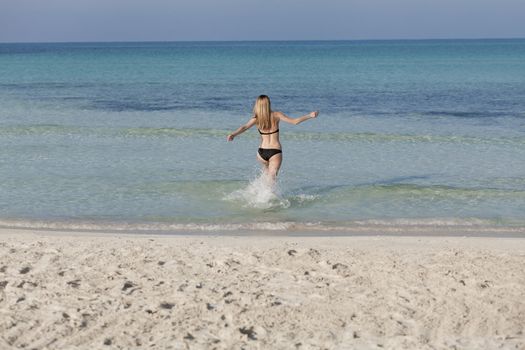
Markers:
254,40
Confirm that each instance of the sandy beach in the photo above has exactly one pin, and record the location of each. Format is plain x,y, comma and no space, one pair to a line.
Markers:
71,290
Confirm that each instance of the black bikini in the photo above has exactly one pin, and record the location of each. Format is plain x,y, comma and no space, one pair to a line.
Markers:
267,153
268,133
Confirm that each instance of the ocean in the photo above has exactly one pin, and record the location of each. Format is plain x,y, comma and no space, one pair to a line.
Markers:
133,135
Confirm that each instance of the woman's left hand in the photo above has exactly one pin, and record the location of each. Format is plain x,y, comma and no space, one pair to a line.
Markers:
230,137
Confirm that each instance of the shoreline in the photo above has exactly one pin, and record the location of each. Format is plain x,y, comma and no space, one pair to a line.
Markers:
367,228
275,237
93,290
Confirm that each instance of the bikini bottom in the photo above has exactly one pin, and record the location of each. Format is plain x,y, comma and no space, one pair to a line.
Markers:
267,153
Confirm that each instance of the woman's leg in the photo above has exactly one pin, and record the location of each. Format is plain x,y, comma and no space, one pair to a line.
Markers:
263,162
274,164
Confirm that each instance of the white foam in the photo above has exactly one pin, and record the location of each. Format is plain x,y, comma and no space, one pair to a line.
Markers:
305,198
403,222
261,193
420,226
146,227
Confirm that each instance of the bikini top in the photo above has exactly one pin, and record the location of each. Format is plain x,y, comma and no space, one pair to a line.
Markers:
268,133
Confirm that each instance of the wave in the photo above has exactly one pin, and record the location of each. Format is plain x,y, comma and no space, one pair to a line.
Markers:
139,227
257,206
431,191
404,138
465,114
411,195
259,195
428,226
51,129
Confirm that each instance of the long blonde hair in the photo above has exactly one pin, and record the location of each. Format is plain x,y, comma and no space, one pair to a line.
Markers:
262,111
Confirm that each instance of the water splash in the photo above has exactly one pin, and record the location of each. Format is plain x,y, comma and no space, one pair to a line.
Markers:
261,193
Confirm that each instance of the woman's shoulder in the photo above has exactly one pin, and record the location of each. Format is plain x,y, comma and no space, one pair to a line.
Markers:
277,114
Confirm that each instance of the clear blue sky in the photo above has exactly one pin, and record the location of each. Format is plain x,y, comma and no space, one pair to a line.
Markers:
172,20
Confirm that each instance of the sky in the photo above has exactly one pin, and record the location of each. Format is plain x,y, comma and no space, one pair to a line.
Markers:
183,20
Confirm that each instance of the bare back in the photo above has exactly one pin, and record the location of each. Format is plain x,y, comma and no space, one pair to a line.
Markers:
272,139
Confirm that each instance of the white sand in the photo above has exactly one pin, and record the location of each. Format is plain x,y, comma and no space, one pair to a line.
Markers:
97,291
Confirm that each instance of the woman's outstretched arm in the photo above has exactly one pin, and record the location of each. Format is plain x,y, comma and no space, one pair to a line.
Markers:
296,121
242,129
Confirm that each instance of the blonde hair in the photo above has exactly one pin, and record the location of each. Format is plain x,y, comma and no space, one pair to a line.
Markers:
262,111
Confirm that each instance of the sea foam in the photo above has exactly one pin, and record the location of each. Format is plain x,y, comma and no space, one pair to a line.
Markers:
261,193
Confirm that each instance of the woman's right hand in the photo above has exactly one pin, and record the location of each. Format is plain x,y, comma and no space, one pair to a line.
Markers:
314,114
230,137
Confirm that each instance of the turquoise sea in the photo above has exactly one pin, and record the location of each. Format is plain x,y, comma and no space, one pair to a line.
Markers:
133,135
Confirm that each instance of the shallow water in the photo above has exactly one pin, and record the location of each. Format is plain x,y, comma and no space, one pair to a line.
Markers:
424,131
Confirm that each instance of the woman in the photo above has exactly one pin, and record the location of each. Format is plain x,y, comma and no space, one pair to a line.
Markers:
270,152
